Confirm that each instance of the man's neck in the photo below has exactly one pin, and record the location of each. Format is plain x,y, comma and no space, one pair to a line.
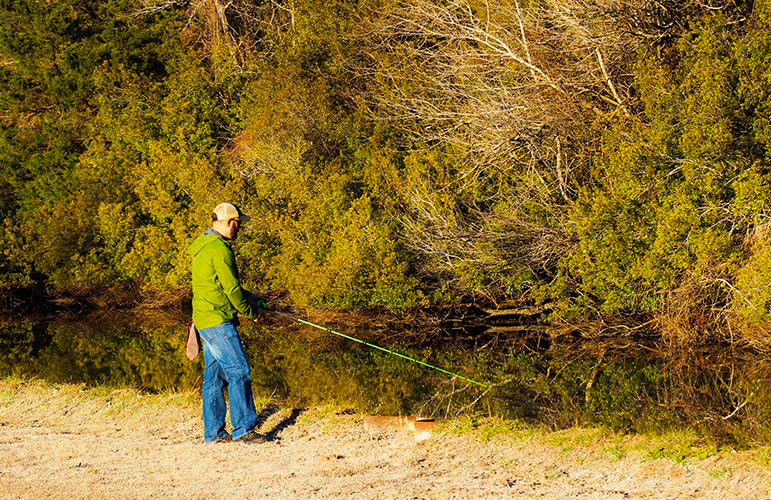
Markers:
213,231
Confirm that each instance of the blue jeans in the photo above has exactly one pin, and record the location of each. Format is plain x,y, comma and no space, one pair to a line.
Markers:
226,365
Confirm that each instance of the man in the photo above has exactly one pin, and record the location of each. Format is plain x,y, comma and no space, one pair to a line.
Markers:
217,299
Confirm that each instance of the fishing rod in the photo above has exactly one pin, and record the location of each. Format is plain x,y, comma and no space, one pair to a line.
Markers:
377,347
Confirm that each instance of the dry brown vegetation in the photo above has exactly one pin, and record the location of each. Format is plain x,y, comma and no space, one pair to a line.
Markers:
510,92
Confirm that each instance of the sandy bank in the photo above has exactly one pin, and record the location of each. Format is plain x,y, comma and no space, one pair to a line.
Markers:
72,442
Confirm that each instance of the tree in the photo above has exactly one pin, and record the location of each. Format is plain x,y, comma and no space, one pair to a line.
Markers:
507,95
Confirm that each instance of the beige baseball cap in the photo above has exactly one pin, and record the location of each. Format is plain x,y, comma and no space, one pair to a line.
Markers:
227,211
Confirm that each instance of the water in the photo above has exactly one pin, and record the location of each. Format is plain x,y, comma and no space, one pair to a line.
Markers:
625,385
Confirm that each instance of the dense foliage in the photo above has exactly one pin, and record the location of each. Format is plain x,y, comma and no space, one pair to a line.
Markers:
608,157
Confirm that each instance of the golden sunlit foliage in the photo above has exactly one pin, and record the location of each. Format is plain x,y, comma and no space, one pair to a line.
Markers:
608,157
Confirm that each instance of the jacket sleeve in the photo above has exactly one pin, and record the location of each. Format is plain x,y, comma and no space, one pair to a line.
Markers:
227,274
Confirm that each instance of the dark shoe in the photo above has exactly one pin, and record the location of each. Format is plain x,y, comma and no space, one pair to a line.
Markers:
220,439
252,437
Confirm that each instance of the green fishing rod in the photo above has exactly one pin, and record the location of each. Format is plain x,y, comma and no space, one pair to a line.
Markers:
377,347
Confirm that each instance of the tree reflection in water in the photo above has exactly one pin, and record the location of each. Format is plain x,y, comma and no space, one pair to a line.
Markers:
722,393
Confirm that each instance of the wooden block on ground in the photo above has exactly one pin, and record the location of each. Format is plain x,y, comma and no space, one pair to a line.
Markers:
384,422
424,429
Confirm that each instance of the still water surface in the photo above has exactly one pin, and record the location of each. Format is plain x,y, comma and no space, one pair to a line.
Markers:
623,384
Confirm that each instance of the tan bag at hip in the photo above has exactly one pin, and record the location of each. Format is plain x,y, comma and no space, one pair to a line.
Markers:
193,342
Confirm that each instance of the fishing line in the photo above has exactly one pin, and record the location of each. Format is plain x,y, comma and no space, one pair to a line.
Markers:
378,347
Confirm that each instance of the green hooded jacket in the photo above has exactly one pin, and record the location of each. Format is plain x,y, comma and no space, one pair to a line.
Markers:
217,293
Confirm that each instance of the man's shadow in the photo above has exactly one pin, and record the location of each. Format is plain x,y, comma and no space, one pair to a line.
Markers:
272,409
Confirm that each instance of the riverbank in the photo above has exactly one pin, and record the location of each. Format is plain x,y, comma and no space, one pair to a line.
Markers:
70,441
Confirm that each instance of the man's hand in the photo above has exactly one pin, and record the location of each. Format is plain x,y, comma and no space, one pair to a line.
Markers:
259,303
